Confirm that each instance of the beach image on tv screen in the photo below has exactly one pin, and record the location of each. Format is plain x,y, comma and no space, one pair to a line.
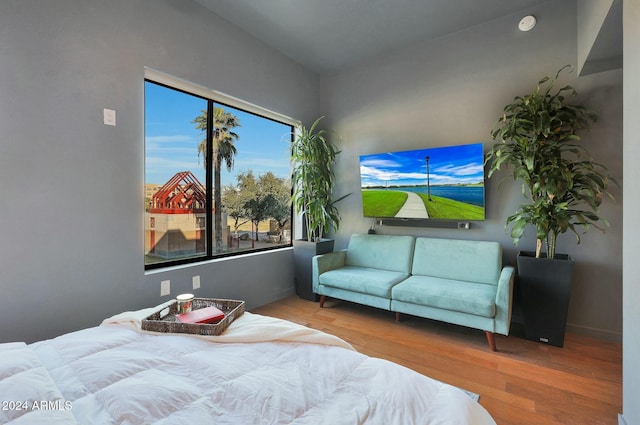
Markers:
445,183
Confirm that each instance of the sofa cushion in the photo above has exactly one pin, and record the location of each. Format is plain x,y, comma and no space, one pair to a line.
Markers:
364,280
456,295
385,252
471,261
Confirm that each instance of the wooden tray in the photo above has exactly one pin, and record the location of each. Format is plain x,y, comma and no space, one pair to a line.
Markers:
165,319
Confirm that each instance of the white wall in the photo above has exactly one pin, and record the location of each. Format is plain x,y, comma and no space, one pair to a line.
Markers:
71,188
631,312
452,91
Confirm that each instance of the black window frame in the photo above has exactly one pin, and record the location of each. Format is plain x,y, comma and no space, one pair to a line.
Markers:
210,253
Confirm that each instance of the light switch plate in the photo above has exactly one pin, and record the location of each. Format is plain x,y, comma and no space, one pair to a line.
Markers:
195,280
109,117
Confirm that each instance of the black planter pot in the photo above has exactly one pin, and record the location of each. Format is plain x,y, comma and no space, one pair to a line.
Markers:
545,286
303,252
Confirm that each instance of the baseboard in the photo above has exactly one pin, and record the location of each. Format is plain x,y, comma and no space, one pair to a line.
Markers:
621,420
603,334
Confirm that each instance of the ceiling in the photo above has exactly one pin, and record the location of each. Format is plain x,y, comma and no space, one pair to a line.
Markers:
329,35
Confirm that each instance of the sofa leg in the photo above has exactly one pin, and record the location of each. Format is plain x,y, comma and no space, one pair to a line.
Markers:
397,317
491,340
323,298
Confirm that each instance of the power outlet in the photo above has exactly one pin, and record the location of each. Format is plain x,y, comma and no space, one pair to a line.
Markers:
165,288
195,280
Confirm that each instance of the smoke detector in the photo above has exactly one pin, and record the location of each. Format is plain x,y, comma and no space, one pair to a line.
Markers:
527,23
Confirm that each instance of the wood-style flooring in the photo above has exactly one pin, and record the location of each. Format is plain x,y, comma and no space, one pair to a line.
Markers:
523,382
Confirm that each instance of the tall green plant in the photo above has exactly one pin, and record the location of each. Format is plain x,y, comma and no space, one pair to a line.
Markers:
537,138
313,157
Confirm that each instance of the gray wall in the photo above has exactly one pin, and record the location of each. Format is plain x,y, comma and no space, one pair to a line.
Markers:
452,91
631,312
71,199
591,15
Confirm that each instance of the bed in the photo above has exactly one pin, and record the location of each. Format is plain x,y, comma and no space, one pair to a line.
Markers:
261,370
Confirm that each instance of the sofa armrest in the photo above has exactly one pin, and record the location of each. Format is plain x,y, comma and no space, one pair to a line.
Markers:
504,300
325,262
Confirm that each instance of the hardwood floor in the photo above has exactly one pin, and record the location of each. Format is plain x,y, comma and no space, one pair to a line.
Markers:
523,383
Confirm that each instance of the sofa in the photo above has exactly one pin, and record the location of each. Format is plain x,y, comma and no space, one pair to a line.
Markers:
456,281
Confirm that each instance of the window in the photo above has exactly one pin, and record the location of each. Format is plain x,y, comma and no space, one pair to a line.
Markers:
217,176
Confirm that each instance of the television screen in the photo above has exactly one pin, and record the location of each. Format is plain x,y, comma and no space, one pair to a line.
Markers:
445,183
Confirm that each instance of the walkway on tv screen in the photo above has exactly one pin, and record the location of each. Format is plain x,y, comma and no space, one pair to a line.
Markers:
413,207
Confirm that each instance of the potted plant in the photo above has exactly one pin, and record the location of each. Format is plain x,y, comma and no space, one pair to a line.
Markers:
537,138
313,157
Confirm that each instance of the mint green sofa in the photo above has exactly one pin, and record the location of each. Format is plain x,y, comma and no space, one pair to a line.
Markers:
456,281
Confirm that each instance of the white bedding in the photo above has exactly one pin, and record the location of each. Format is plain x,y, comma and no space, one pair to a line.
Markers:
260,371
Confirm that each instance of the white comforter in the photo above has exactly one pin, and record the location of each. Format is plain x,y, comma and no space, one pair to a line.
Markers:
260,371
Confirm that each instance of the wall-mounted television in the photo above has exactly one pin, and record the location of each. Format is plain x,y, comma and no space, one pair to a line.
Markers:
444,183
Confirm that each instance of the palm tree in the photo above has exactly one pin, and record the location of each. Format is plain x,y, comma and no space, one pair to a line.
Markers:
224,150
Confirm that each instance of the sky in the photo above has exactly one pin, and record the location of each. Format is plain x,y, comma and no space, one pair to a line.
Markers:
171,139
461,164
